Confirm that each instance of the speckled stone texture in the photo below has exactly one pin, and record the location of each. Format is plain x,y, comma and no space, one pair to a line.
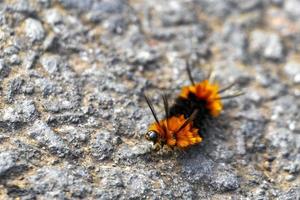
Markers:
73,117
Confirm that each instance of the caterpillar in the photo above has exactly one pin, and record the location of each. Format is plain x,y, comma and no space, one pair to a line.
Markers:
196,105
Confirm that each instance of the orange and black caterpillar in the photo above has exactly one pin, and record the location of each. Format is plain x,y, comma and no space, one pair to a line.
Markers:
196,105
174,131
205,97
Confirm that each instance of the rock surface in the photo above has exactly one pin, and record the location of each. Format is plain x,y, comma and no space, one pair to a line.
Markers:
73,117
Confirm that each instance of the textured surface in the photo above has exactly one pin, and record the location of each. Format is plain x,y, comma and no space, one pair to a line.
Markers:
72,114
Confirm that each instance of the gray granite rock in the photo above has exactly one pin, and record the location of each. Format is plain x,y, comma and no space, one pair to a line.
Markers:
23,6
292,70
51,63
102,147
104,9
53,17
34,29
293,193
7,162
47,87
236,40
268,45
249,5
54,182
14,88
17,115
290,6
176,13
4,70
46,137
73,115
30,59
216,8
214,175
81,5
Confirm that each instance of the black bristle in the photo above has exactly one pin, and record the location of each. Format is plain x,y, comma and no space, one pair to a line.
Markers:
187,106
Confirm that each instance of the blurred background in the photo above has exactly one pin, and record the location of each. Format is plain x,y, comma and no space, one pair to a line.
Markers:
73,117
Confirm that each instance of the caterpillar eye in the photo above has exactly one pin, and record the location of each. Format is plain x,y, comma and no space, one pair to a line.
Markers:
152,136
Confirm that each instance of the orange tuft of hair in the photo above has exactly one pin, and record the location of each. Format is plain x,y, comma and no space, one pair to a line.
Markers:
184,138
205,91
